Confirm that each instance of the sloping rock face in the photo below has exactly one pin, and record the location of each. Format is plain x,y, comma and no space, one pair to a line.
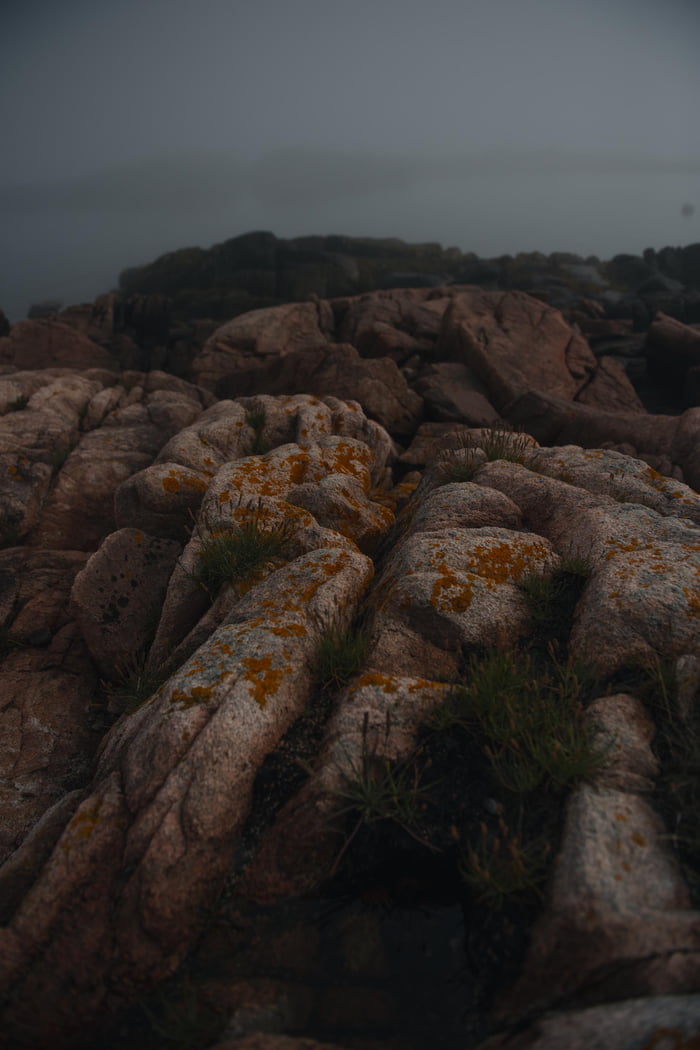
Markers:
187,777
454,353
48,344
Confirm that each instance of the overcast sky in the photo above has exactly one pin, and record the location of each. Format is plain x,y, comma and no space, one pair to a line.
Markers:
130,129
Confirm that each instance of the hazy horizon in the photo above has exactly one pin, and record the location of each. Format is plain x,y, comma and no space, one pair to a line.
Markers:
498,127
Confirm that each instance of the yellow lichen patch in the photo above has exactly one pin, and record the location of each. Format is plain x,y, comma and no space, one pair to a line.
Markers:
349,458
198,694
504,562
638,838
263,678
82,824
195,669
693,599
138,537
389,683
451,592
174,482
386,682
288,630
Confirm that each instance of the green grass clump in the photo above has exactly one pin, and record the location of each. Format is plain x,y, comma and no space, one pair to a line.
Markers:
502,863
462,462
527,719
340,655
677,747
136,684
502,442
256,421
552,597
376,788
19,403
232,552
463,469
518,721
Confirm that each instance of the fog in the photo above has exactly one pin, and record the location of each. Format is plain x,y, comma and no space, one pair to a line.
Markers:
497,126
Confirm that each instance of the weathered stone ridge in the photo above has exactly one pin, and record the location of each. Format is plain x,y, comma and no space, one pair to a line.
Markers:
183,780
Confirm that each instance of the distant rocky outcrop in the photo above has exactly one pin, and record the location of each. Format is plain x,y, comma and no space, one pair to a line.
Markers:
258,269
351,684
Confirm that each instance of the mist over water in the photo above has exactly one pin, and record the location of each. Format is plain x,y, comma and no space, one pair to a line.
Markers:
497,126
76,253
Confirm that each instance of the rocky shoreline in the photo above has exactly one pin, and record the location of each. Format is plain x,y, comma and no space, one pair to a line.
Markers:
350,671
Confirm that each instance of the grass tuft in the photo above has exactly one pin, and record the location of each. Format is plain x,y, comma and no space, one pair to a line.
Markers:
136,684
19,403
233,551
527,720
677,747
501,864
376,788
255,419
470,451
552,597
340,656
502,442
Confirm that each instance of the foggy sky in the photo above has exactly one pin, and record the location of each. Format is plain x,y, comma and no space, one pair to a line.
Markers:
498,126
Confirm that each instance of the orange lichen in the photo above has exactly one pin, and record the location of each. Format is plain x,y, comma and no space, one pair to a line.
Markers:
82,824
389,683
638,838
450,591
263,677
174,482
198,694
288,630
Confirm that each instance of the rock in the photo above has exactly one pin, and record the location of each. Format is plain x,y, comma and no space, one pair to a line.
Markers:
47,343
452,392
46,690
553,421
396,324
339,371
644,567
672,349
633,1024
515,344
118,596
268,1041
248,341
162,500
34,442
340,502
45,308
610,389
382,712
79,511
97,320
455,587
431,440
209,727
619,916
228,776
